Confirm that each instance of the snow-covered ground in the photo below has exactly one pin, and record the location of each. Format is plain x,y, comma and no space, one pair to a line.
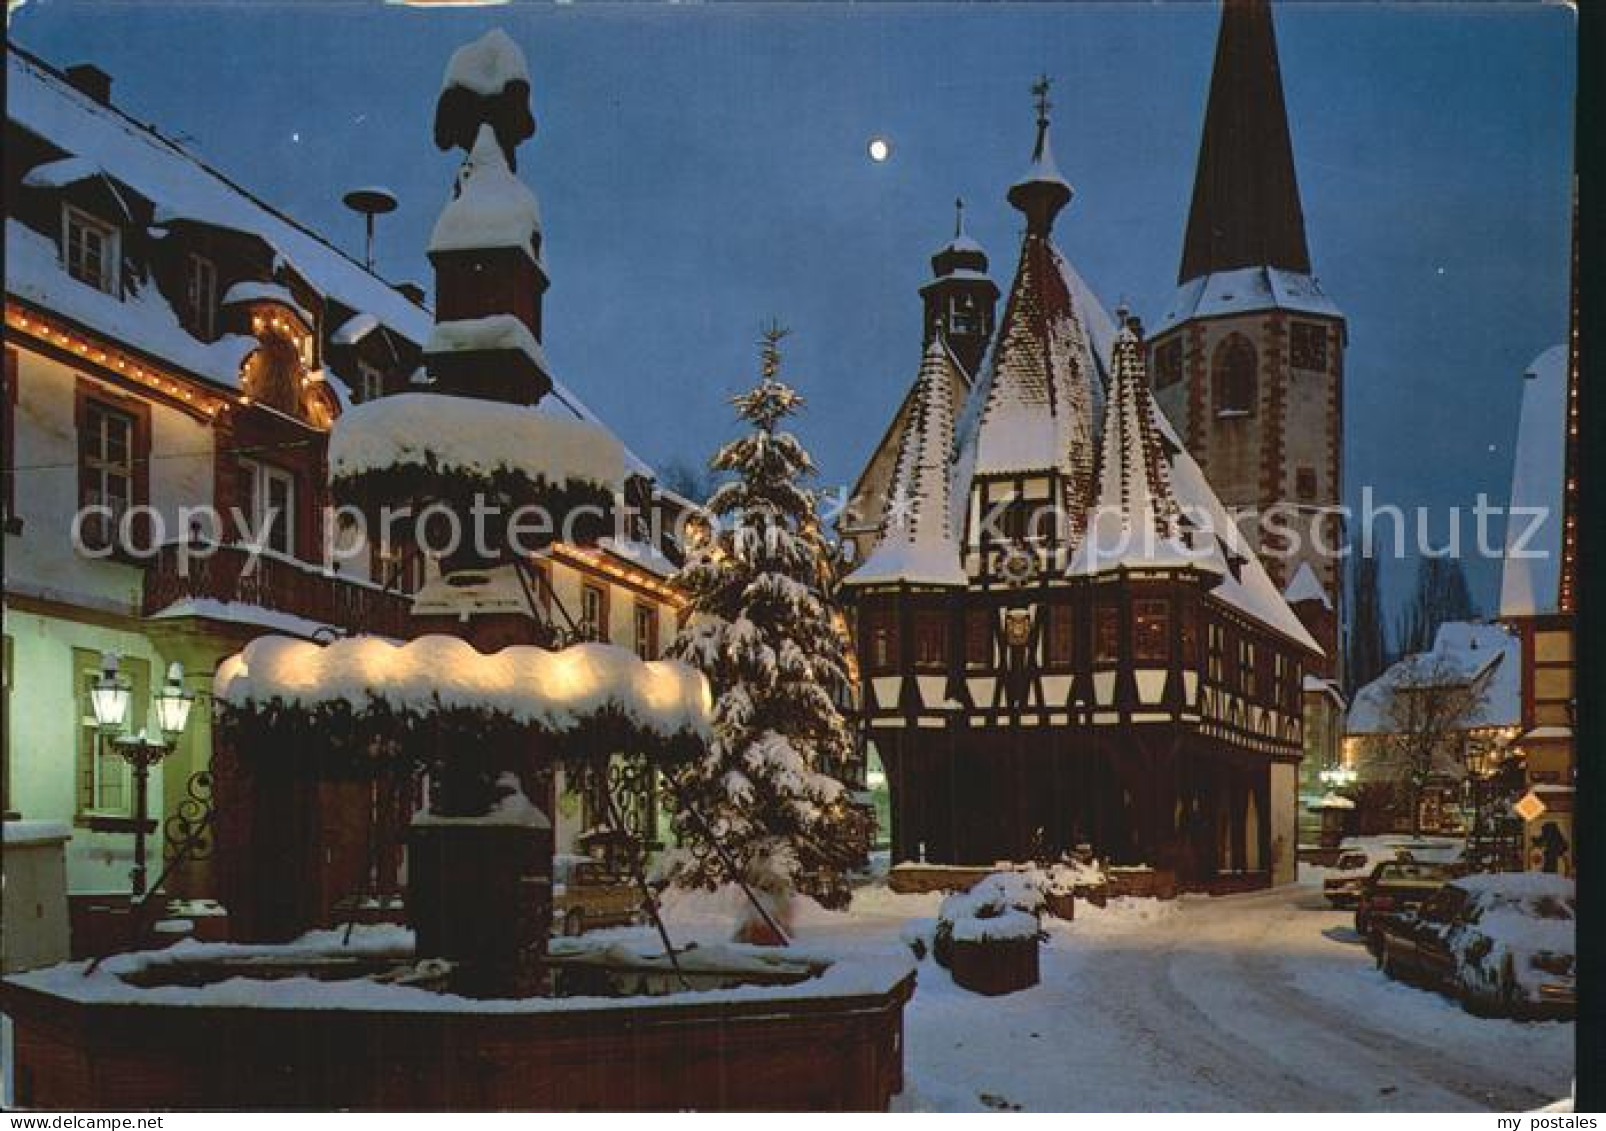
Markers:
1254,1002
1262,1002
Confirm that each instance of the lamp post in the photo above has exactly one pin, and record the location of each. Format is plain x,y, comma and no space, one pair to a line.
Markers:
1337,777
110,699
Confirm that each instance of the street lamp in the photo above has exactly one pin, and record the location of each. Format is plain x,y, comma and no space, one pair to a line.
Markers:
110,699
1337,777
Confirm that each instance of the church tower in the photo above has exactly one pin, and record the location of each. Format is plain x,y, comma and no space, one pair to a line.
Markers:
1248,359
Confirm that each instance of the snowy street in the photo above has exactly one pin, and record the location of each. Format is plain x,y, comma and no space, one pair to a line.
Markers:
1256,1002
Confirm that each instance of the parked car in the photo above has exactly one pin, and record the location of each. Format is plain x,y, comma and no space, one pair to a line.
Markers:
1394,887
1352,869
585,894
1503,943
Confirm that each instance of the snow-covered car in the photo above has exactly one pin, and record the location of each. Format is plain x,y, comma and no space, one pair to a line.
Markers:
1394,887
1352,869
586,895
1503,943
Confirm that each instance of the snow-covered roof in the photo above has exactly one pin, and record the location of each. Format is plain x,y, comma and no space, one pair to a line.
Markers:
473,437
1032,408
251,290
1136,520
238,612
354,329
182,186
1246,289
1462,651
1043,169
492,207
1305,587
142,319
487,65
493,332
58,174
1530,577
555,691
917,543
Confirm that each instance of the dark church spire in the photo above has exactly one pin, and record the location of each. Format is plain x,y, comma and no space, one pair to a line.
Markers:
1245,210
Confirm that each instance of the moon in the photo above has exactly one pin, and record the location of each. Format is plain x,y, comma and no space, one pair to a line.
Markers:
880,149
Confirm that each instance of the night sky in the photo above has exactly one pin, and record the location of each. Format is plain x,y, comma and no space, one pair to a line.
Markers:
702,169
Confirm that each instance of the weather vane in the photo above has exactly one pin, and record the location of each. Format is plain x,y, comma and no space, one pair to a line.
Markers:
1040,90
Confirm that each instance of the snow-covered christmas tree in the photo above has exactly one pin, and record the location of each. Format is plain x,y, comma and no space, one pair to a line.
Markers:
763,631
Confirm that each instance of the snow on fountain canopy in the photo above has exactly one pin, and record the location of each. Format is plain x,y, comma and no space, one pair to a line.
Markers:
397,446
659,705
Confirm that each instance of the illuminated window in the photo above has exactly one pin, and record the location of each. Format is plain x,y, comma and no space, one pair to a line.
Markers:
1151,630
90,250
1106,634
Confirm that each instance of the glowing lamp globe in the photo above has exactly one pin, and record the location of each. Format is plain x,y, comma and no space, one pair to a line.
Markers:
174,703
109,696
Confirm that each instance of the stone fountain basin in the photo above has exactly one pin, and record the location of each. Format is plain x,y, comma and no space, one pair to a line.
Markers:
314,1025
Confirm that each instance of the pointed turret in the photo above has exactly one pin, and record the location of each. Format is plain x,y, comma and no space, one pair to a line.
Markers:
917,543
1136,519
1042,192
1032,411
1246,210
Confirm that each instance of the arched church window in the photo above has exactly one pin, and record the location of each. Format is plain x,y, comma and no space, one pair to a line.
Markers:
1234,386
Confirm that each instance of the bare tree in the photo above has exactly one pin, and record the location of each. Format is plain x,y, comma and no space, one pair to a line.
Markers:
1426,718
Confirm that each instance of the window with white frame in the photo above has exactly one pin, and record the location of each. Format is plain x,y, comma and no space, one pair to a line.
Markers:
270,504
201,296
646,630
106,469
90,249
370,382
594,612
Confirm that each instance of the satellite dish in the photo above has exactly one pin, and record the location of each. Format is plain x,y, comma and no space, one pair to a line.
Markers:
370,202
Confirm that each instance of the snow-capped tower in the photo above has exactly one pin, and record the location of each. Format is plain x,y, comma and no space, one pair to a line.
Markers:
486,246
1248,359
1029,424
961,299
917,545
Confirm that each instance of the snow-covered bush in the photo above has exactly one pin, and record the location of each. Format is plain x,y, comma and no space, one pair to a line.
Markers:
1003,905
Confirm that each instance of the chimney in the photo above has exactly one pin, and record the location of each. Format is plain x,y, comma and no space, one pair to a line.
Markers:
91,80
414,292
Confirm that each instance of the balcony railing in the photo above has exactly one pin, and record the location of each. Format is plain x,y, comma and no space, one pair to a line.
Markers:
275,583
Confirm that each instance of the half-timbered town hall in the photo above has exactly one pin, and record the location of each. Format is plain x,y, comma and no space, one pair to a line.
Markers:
1064,639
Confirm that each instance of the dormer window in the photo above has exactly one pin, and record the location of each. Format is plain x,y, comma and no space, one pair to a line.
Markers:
90,249
370,382
200,296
